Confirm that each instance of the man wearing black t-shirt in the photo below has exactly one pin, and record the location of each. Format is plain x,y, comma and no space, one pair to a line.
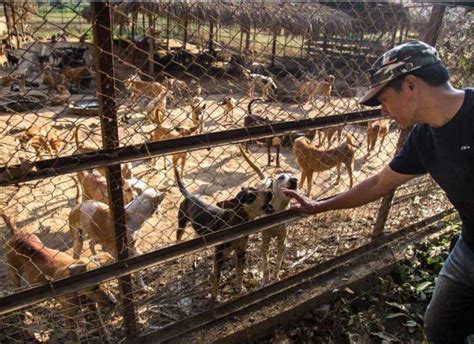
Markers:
411,84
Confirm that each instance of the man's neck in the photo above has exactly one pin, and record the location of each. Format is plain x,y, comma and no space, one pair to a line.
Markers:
440,105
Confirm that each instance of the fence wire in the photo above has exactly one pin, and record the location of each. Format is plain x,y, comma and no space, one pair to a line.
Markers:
183,69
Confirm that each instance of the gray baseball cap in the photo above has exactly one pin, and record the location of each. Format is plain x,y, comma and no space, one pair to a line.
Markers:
400,60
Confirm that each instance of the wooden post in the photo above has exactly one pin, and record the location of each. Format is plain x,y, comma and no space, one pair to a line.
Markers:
12,8
185,25
275,35
241,41
108,116
151,46
9,24
167,31
431,36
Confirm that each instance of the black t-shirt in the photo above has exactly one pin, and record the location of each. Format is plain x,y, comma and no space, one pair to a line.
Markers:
447,154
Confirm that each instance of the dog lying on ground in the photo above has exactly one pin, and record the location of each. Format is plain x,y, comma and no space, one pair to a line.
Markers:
279,202
328,133
40,140
94,219
75,75
265,83
229,104
61,97
377,129
251,120
311,160
30,260
207,218
197,112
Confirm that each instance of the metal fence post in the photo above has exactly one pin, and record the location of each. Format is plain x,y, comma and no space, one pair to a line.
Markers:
431,36
108,115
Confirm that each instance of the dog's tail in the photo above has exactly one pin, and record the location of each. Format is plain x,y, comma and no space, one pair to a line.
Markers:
75,134
181,186
9,222
257,170
249,106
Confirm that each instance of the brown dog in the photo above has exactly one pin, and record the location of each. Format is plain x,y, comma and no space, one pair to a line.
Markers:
311,160
75,75
52,79
61,97
40,140
377,129
27,256
139,88
229,104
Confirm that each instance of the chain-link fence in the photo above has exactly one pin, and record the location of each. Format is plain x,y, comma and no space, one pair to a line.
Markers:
152,85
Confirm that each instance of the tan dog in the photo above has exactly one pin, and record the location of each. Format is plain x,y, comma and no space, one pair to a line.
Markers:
162,132
75,75
311,160
27,256
52,79
94,219
197,112
139,88
328,133
40,140
279,202
156,108
61,98
377,129
229,104
312,88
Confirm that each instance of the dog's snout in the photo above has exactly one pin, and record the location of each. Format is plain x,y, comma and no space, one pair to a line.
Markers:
293,184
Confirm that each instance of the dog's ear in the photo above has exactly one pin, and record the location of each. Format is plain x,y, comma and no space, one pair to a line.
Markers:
77,268
159,198
228,204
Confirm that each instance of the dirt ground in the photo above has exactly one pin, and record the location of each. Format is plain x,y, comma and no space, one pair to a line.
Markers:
42,207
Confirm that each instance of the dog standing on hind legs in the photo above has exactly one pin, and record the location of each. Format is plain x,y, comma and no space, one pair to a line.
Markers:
207,218
280,202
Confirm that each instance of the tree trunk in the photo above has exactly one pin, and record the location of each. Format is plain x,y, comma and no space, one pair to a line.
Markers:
151,45
275,35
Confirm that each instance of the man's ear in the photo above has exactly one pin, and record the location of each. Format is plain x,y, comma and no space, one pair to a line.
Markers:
411,81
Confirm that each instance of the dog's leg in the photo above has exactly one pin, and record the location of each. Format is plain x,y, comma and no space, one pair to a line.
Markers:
310,182
330,135
269,152
303,177
70,311
321,137
349,171
281,247
99,322
278,146
240,252
219,257
382,139
338,179
266,238
77,241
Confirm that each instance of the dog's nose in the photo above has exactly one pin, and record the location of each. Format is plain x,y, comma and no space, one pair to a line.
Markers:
268,208
293,184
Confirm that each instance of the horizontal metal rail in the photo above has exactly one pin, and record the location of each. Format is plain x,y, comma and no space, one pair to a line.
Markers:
108,157
113,271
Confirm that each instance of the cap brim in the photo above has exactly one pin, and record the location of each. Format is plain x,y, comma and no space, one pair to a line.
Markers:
370,98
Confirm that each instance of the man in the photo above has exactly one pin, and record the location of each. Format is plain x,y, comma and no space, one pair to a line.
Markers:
411,84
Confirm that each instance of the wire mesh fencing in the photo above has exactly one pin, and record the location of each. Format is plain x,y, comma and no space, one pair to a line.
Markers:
171,86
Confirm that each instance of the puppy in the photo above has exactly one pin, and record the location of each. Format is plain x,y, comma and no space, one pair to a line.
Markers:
265,83
30,260
206,218
229,104
279,202
52,79
311,160
328,133
377,129
251,120
94,219
197,112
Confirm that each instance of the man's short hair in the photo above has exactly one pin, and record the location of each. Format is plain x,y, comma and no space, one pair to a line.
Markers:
434,75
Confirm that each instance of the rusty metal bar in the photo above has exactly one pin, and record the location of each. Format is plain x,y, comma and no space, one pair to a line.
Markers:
107,157
125,267
108,116
430,37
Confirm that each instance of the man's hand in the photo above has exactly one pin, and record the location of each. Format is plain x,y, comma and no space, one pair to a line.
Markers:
306,205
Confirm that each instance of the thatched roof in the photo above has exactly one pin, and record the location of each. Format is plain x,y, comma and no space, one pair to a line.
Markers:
292,18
